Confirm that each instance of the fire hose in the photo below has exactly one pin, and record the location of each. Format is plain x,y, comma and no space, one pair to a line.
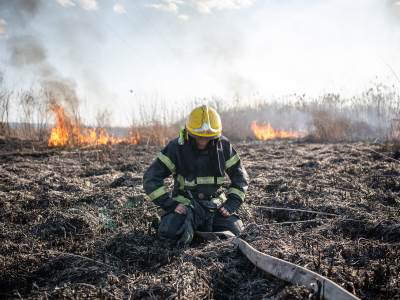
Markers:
321,286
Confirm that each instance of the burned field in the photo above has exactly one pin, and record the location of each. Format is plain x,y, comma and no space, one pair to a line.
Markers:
76,224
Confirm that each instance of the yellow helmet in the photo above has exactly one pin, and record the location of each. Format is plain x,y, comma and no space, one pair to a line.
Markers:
204,121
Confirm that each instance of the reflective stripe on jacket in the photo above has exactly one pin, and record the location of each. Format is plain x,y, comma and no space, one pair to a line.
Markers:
197,171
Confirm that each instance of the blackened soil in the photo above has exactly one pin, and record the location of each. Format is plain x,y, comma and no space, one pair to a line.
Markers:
76,224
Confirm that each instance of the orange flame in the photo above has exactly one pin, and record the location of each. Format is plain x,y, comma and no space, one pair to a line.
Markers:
267,132
68,132
60,134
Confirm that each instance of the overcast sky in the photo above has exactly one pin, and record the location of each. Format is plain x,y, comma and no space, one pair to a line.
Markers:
117,53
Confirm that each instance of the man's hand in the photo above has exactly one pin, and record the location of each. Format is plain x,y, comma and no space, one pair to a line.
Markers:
181,209
224,212
186,231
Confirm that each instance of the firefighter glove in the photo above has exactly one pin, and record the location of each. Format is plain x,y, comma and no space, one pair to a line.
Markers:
186,230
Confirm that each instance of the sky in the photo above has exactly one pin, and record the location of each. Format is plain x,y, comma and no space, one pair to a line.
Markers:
124,55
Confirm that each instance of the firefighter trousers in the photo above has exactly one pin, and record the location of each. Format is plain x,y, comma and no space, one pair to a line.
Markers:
204,220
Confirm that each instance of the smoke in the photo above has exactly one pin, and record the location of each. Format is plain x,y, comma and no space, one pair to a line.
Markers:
85,4
62,90
3,27
119,8
27,52
22,10
66,3
395,6
239,85
306,47
229,49
201,6
24,48
207,6
89,4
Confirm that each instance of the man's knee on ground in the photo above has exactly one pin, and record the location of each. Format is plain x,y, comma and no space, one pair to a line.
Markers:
167,233
170,224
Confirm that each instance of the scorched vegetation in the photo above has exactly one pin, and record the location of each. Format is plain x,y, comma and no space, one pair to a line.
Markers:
76,223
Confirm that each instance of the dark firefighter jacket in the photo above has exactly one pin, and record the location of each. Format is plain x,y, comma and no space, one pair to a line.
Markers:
202,172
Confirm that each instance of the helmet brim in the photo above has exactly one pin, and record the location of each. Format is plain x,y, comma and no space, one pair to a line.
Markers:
209,136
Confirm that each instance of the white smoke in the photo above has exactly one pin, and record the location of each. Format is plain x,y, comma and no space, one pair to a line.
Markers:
215,49
207,6
201,6
89,4
119,8
84,4
167,5
184,17
66,3
3,28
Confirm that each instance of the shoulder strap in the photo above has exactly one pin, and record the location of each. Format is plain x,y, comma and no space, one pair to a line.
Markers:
217,155
187,157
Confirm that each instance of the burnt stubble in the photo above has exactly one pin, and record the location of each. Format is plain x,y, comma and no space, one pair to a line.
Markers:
75,223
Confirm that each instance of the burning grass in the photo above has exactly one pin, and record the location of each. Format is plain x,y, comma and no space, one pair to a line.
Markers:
267,132
372,115
69,132
77,223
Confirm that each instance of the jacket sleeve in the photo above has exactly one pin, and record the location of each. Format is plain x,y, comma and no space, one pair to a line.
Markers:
239,181
153,179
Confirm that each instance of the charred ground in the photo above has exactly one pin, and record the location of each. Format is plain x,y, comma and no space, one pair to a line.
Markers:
76,223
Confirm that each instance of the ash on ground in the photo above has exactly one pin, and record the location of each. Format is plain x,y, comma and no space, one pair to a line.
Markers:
76,224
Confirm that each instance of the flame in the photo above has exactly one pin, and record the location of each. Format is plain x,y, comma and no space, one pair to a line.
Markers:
267,132
68,132
60,134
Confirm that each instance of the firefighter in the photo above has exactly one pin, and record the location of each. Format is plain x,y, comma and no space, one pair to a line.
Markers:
198,161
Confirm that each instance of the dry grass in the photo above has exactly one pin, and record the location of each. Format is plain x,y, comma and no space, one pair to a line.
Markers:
156,133
373,115
5,96
76,224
